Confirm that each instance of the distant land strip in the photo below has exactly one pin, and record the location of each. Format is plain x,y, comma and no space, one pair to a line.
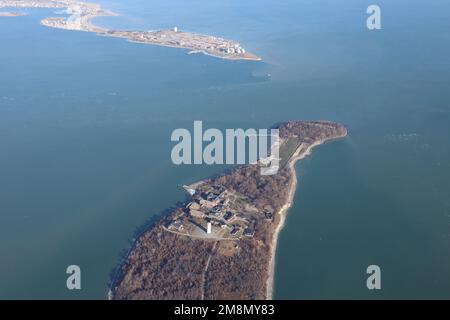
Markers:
11,14
78,16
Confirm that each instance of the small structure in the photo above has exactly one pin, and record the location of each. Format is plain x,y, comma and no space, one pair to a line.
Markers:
268,216
193,206
225,201
175,29
196,213
228,216
176,225
210,201
219,188
248,232
234,231
189,190
217,210
208,228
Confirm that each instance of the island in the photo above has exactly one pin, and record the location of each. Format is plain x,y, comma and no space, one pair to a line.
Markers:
78,16
11,14
220,243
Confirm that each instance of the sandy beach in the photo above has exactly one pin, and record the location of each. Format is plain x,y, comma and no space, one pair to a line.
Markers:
299,155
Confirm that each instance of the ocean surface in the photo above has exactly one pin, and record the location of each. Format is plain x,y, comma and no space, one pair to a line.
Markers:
85,124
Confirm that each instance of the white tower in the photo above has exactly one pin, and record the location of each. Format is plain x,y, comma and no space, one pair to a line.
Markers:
208,228
175,29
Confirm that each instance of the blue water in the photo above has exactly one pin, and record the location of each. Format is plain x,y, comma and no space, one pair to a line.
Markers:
85,125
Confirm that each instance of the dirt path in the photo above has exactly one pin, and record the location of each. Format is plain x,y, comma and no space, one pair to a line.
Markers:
205,271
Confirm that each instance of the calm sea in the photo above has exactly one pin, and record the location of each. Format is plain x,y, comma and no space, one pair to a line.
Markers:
85,125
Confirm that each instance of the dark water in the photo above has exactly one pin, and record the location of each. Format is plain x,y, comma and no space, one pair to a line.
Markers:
85,125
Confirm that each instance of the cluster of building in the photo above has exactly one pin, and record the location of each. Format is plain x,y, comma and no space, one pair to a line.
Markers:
72,6
176,225
175,38
213,209
35,3
236,48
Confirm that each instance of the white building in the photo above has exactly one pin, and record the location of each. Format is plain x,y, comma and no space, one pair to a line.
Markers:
208,228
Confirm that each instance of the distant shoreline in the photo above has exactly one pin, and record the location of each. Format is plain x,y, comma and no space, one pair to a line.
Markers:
11,14
80,16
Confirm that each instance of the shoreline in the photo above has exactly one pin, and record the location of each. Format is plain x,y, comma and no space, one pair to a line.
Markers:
284,210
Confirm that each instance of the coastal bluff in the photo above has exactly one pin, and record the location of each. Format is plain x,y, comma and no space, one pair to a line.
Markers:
221,243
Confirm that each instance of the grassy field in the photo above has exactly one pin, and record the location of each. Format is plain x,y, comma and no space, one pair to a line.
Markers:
287,149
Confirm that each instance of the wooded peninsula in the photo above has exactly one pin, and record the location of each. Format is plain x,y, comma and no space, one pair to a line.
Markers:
220,244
